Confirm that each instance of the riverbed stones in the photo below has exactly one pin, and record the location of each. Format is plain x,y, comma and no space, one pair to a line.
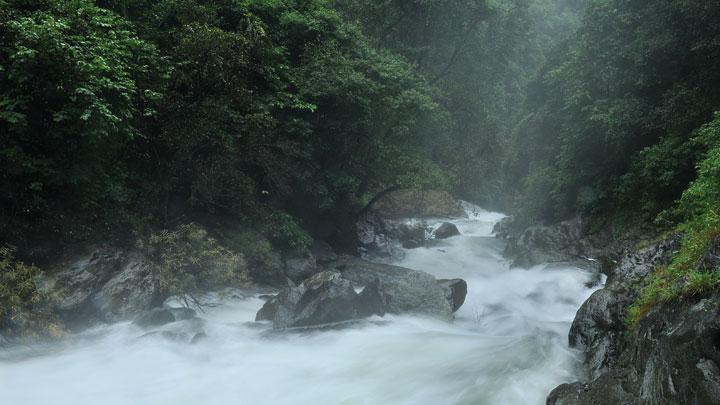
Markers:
325,298
406,290
330,296
446,230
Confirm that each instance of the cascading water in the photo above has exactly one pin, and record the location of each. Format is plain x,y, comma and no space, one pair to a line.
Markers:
507,345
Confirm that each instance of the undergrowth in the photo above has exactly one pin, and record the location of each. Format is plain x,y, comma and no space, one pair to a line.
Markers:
688,274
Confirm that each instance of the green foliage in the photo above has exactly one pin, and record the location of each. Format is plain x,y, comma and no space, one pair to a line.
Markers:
17,285
188,262
124,115
285,231
614,107
75,85
257,250
480,55
699,208
24,310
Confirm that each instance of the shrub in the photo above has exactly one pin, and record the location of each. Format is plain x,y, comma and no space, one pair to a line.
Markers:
24,310
285,232
188,262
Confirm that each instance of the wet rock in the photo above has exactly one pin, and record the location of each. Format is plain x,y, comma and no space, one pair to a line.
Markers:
322,299
372,300
614,388
163,316
132,290
183,314
106,285
154,318
323,252
672,357
412,236
79,280
377,237
405,290
418,204
268,310
600,324
300,265
446,230
506,228
456,291
562,242
198,337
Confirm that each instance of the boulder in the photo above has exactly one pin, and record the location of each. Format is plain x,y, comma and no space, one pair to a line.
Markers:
154,318
405,290
132,290
105,285
378,237
188,331
265,265
325,298
372,300
446,230
323,252
418,204
671,357
77,281
300,265
456,291
163,316
412,236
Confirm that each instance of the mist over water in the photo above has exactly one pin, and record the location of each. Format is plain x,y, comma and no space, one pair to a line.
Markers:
507,345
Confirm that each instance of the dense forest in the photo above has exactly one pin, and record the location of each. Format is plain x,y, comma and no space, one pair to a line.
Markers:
122,118
130,115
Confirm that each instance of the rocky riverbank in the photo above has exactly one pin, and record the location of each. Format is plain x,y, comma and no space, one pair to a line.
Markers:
306,287
671,356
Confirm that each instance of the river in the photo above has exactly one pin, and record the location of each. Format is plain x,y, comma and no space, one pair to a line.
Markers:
507,345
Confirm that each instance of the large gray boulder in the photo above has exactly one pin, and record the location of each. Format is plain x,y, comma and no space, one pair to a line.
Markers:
406,290
446,230
131,290
455,291
329,297
325,298
418,204
105,285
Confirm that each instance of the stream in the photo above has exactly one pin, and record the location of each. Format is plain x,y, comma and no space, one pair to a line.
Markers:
507,345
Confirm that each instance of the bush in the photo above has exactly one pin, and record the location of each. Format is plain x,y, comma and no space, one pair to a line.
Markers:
188,262
257,250
24,310
285,232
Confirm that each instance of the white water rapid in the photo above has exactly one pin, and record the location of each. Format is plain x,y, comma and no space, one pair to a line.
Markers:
507,345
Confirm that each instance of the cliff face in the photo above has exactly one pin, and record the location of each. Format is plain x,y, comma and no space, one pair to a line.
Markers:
671,357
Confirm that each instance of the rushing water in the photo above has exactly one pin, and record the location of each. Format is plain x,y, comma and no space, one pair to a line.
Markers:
507,345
